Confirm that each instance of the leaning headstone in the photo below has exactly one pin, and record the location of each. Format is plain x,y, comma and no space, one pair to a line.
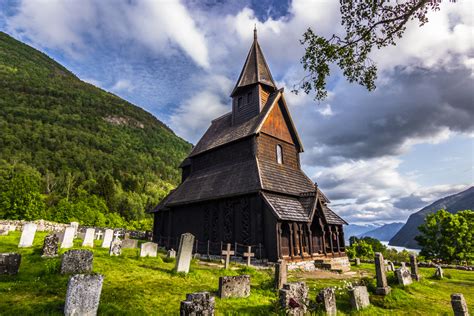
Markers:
391,265
359,297
200,303
439,273
115,247
83,294
148,249
293,298
327,297
9,263
234,286
171,254
281,274
129,243
382,285
403,276
68,238
50,246
357,261
108,236
414,268
89,238
77,261
75,225
459,305
27,235
185,250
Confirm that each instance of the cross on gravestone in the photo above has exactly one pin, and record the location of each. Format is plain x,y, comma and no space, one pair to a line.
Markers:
249,254
117,234
98,235
227,253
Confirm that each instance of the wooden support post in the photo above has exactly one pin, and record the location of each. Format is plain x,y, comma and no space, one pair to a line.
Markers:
278,232
292,254
330,240
337,241
310,236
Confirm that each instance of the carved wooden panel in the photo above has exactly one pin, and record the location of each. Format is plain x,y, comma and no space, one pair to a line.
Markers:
246,225
228,221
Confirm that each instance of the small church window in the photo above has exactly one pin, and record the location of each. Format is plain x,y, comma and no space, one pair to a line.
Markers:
279,152
249,97
239,103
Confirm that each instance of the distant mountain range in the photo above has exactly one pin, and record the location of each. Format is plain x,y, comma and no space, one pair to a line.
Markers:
453,203
357,230
383,233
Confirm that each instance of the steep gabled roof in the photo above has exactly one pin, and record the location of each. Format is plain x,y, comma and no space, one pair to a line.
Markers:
255,69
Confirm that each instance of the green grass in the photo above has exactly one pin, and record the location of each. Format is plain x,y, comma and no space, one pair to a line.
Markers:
139,286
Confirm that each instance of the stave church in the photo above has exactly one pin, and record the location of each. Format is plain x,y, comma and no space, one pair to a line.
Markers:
243,184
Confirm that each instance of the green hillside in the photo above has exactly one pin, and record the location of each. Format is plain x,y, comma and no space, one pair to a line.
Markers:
69,150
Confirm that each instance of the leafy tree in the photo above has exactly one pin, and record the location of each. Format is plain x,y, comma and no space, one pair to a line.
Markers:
360,249
448,237
368,25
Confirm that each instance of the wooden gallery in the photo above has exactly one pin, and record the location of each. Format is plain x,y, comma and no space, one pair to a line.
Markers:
243,184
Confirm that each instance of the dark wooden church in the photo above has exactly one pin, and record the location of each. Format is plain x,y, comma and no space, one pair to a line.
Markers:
243,184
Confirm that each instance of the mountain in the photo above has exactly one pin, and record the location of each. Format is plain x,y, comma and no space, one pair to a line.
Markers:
384,233
453,203
83,141
356,230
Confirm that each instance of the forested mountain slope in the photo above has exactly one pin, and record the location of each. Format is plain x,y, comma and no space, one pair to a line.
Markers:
68,148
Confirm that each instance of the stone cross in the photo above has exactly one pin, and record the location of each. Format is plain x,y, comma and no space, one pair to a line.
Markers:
249,254
117,234
414,268
459,305
99,235
382,285
227,253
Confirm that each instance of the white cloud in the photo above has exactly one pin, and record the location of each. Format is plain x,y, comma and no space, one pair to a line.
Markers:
122,85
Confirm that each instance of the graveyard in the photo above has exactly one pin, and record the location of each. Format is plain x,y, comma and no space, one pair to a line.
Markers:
149,285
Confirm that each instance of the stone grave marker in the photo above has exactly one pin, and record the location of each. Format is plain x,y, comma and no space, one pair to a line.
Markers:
281,274
89,238
403,265
403,276
68,238
359,297
234,286
357,261
83,294
171,254
12,228
115,247
28,235
414,268
108,236
75,225
50,246
249,254
458,303
327,297
129,243
293,298
9,263
148,249
382,285
439,273
77,261
227,253
185,252
98,235
391,266
200,303
4,231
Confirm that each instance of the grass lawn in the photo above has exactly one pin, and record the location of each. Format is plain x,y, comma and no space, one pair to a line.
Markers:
138,286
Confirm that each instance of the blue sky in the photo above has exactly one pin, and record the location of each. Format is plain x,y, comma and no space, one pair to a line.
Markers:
379,156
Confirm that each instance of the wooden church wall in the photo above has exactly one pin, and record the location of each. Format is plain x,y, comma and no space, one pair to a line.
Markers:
248,108
276,126
266,150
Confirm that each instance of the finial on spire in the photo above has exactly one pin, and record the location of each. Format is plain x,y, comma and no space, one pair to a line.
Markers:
255,32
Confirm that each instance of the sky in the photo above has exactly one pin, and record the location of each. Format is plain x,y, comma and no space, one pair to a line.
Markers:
379,156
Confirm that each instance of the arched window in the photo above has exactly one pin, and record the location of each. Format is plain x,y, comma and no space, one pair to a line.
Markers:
279,152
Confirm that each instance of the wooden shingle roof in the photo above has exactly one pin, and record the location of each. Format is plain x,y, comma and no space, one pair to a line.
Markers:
286,207
331,217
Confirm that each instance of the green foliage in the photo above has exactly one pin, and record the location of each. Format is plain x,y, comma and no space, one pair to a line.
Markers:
360,249
448,237
74,151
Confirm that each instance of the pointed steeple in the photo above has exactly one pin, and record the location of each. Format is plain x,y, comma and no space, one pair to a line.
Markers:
255,69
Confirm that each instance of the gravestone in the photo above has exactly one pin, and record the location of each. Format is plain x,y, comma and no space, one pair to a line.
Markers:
185,251
249,254
129,243
4,232
327,297
227,253
75,225
293,298
459,305
200,303
439,273
403,276
108,236
171,254
281,274
359,297
89,238
77,261
382,285
98,235
9,263
234,286
28,235
12,228
50,246
391,266
403,265
357,261
414,268
148,249
68,238
83,294
115,247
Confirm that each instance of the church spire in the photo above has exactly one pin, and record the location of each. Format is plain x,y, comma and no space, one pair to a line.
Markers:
255,69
